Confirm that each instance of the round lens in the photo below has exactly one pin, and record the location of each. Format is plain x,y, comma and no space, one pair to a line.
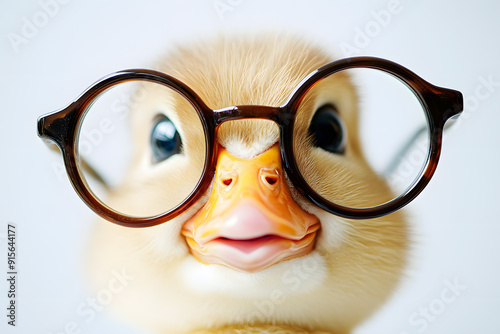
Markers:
361,138
141,148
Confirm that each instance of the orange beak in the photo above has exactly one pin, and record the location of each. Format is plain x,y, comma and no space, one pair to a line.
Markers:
250,221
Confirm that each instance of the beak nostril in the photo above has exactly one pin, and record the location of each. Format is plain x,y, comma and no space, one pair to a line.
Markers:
227,182
271,179
227,179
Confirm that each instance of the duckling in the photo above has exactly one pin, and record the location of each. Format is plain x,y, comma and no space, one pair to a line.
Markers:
235,266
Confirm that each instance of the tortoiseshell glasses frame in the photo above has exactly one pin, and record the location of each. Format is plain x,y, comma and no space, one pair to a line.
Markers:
439,105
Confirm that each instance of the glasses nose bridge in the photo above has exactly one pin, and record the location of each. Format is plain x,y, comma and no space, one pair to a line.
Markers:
247,112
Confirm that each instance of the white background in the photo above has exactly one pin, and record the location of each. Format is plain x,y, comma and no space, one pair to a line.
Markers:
456,219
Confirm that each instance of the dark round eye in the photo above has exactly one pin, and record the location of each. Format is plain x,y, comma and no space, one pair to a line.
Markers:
165,140
327,130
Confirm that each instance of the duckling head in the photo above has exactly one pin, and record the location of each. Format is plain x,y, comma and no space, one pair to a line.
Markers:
252,251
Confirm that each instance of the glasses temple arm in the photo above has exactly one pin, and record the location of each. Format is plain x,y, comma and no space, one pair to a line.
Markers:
85,165
395,161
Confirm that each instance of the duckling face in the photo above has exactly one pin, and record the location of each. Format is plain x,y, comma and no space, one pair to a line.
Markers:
252,236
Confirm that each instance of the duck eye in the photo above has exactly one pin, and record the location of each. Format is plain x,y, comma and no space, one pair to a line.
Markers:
165,140
327,129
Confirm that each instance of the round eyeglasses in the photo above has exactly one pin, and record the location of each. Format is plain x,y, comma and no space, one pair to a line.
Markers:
144,133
